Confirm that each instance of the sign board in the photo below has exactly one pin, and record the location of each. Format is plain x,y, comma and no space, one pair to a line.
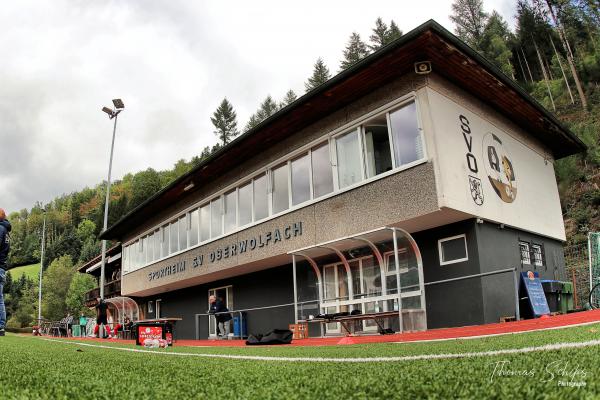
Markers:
493,172
149,332
535,293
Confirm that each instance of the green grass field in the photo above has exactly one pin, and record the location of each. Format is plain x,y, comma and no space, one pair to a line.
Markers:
32,271
32,368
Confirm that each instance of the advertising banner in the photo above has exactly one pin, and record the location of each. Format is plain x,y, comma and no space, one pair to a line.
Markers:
492,173
149,332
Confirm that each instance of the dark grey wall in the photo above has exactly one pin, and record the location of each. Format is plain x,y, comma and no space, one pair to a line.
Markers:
499,249
264,288
456,303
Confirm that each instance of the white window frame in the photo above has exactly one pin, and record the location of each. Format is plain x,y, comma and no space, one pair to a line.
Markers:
458,260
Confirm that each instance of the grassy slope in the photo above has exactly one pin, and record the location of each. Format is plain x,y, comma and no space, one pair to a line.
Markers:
32,368
31,271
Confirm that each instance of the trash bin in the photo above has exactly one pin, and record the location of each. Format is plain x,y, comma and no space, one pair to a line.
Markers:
566,299
240,326
552,290
75,330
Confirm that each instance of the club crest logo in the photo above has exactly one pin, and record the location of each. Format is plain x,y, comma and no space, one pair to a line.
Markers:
476,190
499,168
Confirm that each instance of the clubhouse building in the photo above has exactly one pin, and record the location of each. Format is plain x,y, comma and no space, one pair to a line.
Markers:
420,181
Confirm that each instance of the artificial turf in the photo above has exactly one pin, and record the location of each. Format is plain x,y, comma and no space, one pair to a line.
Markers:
32,368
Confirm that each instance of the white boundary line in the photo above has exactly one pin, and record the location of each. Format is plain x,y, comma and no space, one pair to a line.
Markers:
548,347
497,334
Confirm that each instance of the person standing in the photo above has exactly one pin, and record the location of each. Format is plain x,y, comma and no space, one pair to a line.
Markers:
102,318
221,314
82,325
4,249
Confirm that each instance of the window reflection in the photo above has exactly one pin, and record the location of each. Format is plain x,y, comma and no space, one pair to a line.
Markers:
261,203
322,173
377,149
300,180
281,199
245,204
408,146
348,159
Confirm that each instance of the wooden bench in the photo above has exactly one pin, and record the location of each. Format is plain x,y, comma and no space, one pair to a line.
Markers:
346,320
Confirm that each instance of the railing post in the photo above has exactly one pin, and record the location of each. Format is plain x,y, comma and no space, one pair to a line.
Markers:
516,282
295,289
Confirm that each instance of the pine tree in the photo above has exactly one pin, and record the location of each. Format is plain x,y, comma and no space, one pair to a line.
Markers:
267,108
470,20
320,75
379,36
393,33
355,50
224,120
494,43
288,99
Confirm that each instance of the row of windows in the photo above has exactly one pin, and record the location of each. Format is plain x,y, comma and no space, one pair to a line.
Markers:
383,143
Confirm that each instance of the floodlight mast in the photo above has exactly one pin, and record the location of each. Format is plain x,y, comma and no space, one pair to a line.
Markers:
112,113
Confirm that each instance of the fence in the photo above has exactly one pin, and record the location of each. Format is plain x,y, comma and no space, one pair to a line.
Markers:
582,262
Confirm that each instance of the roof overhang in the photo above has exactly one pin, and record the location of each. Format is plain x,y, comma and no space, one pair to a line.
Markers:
450,58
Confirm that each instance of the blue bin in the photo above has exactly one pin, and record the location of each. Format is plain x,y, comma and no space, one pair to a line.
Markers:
240,328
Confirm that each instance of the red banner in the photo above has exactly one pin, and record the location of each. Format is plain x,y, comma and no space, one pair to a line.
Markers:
149,332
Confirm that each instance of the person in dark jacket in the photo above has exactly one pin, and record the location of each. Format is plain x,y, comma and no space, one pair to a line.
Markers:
222,316
4,249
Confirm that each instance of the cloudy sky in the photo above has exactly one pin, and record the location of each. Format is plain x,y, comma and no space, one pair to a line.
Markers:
171,62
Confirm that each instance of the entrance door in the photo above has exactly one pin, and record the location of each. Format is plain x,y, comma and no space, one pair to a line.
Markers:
225,294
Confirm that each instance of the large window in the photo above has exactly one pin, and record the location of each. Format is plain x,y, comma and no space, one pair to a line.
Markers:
322,175
385,141
408,145
245,204
230,211
377,149
205,223
281,197
348,159
216,218
194,227
261,201
164,241
174,237
300,179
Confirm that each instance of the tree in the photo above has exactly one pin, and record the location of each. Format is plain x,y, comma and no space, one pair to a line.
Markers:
75,298
90,249
56,283
470,20
67,244
319,76
379,36
494,43
393,33
225,122
144,185
355,50
85,230
267,108
288,99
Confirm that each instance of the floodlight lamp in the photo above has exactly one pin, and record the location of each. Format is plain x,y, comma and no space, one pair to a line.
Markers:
118,104
108,111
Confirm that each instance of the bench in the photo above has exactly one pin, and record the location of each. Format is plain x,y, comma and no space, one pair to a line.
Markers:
346,321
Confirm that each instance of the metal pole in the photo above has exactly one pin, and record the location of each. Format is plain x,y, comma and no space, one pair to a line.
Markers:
516,282
590,260
397,261
41,272
112,147
295,289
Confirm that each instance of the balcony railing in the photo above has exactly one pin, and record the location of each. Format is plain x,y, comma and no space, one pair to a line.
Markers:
111,289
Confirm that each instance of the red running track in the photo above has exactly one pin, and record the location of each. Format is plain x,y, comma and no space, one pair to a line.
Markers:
432,334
